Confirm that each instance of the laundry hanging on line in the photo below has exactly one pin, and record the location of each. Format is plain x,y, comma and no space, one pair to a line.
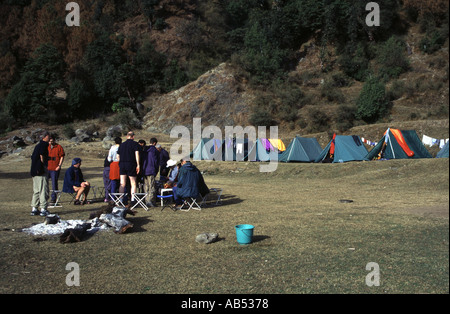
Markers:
430,141
368,142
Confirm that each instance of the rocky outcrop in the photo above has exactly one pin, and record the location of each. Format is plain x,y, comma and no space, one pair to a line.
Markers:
217,97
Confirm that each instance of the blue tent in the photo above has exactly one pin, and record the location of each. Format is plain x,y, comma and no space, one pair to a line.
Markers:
204,150
346,148
259,152
389,146
443,153
301,149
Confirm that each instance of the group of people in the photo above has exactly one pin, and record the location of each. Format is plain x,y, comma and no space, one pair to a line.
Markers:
133,166
46,163
129,167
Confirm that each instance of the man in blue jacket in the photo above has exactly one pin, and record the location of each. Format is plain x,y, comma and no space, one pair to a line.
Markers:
190,183
74,182
151,168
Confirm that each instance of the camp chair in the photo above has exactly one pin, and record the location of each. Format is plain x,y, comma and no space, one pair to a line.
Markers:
166,201
212,191
117,198
58,197
190,203
73,195
139,198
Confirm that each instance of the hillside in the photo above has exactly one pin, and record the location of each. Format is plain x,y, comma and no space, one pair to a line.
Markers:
228,62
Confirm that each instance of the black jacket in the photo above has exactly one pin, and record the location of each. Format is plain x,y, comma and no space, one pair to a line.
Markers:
38,168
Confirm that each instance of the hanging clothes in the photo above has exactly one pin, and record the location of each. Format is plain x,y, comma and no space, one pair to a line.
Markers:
277,143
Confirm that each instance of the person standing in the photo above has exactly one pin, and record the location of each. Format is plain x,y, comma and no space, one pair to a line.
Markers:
129,164
106,179
151,168
39,173
142,155
163,158
55,160
114,170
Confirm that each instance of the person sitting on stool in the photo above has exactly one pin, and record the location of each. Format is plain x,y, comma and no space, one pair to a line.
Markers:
74,182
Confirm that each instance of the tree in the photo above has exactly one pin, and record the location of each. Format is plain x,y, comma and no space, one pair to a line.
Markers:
79,99
372,103
392,59
34,96
150,64
262,56
103,59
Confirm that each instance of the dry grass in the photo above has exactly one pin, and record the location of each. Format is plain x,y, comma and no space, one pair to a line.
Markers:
306,240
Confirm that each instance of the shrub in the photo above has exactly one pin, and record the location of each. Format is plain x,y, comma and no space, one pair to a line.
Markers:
332,93
318,120
128,120
392,59
261,117
355,63
433,41
396,91
372,103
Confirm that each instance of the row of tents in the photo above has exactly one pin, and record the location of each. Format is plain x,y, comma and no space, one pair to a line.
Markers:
395,144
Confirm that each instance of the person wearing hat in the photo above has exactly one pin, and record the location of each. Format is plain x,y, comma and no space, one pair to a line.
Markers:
172,165
74,182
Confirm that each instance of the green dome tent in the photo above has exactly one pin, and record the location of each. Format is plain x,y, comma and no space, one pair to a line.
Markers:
301,150
204,150
343,148
399,144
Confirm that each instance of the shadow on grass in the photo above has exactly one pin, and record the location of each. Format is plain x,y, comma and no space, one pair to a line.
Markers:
259,238
15,175
138,223
226,199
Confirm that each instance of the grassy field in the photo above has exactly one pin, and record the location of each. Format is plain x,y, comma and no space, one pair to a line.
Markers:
305,239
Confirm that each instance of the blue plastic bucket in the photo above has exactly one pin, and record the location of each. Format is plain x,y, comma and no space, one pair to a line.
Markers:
244,234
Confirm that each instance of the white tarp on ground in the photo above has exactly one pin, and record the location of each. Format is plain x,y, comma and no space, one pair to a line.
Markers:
58,228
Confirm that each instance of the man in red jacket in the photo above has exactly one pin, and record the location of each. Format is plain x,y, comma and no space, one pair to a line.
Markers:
55,160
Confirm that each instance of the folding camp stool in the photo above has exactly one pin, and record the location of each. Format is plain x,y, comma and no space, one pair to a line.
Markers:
139,198
101,191
217,191
162,194
166,201
74,195
58,197
192,203
117,198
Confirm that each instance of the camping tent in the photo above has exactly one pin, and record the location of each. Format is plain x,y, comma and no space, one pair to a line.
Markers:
443,153
398,144
301,150
278,144
343,148
232,150
204,149
262,150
